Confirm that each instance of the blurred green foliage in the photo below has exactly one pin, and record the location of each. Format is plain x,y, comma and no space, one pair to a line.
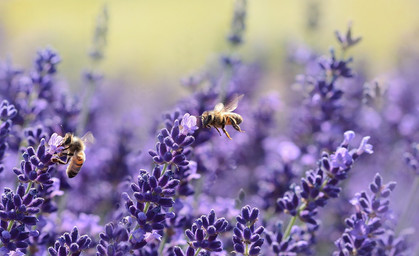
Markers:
161,40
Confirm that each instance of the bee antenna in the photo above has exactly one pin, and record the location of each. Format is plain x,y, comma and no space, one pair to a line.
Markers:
62,129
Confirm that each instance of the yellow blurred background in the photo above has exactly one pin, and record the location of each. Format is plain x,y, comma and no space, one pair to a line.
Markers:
161,41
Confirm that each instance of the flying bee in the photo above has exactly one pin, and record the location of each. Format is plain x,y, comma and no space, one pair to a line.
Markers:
74,152
222,116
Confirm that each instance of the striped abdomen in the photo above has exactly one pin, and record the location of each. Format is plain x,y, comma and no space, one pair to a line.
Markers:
75,164
236,118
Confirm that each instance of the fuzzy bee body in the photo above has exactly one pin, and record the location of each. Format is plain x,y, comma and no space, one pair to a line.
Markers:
222,116
74,151
76,162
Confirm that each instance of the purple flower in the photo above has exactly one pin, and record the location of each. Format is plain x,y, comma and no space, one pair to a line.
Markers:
348,137
152,236
172,147
34,135
188,124
55,144
70,243
346,41
292,245
114,241
365,228
36,166
16,253
46,61
156,189
238,23
17,211
247,237
192,172
364,146
412,158
204,233
7,111
341,158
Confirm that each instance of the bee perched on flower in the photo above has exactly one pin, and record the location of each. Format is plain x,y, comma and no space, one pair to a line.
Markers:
73,149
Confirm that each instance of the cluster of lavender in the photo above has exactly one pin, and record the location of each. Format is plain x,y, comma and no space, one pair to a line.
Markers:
20,211
247,238
203,235
368,231
7,112
316,188
323,113
286,167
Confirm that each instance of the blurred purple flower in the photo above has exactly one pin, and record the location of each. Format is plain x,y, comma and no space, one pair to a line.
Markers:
288,151
46,61
86,223
192,171
346,40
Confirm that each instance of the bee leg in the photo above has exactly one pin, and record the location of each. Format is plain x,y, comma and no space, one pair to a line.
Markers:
59,161
235,125
226,133
64,152
217,130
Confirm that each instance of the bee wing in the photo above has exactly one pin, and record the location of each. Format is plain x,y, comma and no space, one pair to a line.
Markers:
88,138
219,107
233,103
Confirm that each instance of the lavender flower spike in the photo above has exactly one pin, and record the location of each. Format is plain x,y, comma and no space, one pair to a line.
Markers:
70,244
247,238
188,124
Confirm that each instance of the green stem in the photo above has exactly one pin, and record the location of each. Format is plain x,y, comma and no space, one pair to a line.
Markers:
246,252
228,74
147,205
85,108
29,187
197,251
164,239
137,226
10,226
343,53
162,243
288,230
292,222
409,202
164,169
294,218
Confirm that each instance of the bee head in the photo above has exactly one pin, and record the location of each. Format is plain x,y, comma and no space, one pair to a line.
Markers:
68,138
206,119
